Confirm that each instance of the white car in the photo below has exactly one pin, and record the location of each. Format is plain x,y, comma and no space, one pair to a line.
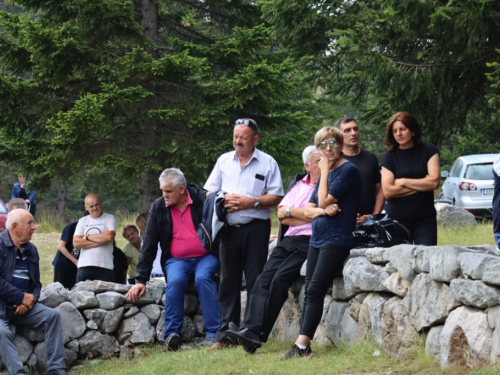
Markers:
470,183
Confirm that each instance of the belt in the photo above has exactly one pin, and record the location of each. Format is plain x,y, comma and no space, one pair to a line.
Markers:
153,275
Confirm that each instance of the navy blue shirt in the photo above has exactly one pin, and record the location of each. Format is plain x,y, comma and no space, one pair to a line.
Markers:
21,277
345,185
60,262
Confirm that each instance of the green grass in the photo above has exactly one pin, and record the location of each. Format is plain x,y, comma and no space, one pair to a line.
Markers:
358,359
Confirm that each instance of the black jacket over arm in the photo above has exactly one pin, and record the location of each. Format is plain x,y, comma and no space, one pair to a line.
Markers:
159,229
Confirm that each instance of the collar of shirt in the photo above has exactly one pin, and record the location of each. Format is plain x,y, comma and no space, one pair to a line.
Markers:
255,155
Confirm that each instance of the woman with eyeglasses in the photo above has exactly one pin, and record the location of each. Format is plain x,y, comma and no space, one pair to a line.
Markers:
333,207
410,174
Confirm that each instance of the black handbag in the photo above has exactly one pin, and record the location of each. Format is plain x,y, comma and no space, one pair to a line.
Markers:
381,231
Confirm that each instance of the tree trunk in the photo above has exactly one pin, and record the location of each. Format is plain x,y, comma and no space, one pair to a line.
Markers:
62,197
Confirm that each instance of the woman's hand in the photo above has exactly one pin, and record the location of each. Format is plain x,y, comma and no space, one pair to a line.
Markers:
332,209
324,165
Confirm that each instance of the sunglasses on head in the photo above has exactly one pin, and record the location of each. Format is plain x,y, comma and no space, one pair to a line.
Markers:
324,144
246,122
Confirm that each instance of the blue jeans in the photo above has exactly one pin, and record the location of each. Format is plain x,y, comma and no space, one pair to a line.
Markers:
497,239
178,271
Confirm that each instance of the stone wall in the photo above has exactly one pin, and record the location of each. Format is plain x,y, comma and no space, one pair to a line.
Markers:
448,296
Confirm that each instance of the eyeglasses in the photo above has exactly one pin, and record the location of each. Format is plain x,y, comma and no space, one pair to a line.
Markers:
324,144
246,122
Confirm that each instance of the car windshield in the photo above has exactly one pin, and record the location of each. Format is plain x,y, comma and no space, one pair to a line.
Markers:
479,171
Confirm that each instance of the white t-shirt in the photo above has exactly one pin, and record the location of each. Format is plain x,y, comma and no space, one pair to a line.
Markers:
101,256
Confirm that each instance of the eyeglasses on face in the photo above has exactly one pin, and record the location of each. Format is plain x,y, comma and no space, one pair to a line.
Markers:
324,144
246,122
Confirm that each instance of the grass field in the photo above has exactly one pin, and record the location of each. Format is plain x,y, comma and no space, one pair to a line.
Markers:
357,360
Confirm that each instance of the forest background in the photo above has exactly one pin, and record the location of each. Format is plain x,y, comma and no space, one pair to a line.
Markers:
100,96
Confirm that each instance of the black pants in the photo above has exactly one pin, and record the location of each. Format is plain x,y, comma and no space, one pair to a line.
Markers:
95,273
66,276
424,231
242,249
271,288
322,266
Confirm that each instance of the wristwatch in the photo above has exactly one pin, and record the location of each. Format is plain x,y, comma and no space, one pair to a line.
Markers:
257,204
287,212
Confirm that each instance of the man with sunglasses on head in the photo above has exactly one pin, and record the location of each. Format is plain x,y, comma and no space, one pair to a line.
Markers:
252,184
372,199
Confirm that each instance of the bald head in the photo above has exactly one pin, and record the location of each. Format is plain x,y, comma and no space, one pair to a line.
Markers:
93,205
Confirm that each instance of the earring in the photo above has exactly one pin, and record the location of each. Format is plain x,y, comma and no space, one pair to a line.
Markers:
413,135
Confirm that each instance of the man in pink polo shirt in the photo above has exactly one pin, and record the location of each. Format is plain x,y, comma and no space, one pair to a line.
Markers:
172,222
283,266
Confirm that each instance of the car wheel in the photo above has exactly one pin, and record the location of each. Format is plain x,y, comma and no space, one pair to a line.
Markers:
441,195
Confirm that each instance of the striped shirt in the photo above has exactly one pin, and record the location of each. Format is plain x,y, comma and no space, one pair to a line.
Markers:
260,176
21,278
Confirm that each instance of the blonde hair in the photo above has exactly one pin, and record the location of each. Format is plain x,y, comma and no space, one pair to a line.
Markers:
127,227
327,132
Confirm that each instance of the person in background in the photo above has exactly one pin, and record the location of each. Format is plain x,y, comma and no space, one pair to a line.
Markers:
22,189
173,221
372,200
65,262
252,184
410,174
283,266
141,221
333,208
94,235
132,249
496,200
20,289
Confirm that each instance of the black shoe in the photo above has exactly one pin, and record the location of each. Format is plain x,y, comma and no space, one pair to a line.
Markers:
173,342
295,351
233,327
247,339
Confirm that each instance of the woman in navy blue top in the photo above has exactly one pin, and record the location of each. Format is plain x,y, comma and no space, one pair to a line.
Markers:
333,208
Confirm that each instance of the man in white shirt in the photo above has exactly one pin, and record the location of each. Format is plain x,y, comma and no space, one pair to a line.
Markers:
94,235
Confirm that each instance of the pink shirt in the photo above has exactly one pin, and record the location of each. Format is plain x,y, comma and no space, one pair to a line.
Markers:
185,241
298,197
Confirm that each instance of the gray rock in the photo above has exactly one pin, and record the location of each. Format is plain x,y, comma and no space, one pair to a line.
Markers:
397,285
72,322
358,252
199,325
70,357
362,276
53,295
112,320
92,325
338,290
190,303
131,312
98,286
397,332
340,327
303,269
370,318
32,361
466,338
485,249
31,334
433,343
24,348
73,345
455,217
472,264
494,324
490,273
83,299
428,302
402,258
95,344
40,352
422,259
355,304
152,311
475,293
160,328
188,329
375,255
287,324
156,288
444,264
95,315
136,329
110,300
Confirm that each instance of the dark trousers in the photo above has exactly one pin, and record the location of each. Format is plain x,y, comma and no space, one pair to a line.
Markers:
271,288
66,276
322,266
95,273
242,249
424,231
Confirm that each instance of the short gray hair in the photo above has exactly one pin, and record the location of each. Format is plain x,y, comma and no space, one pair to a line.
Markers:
14,216
308,152
173,175
344,120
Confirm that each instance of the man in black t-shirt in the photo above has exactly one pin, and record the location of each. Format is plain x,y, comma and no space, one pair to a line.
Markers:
372,200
